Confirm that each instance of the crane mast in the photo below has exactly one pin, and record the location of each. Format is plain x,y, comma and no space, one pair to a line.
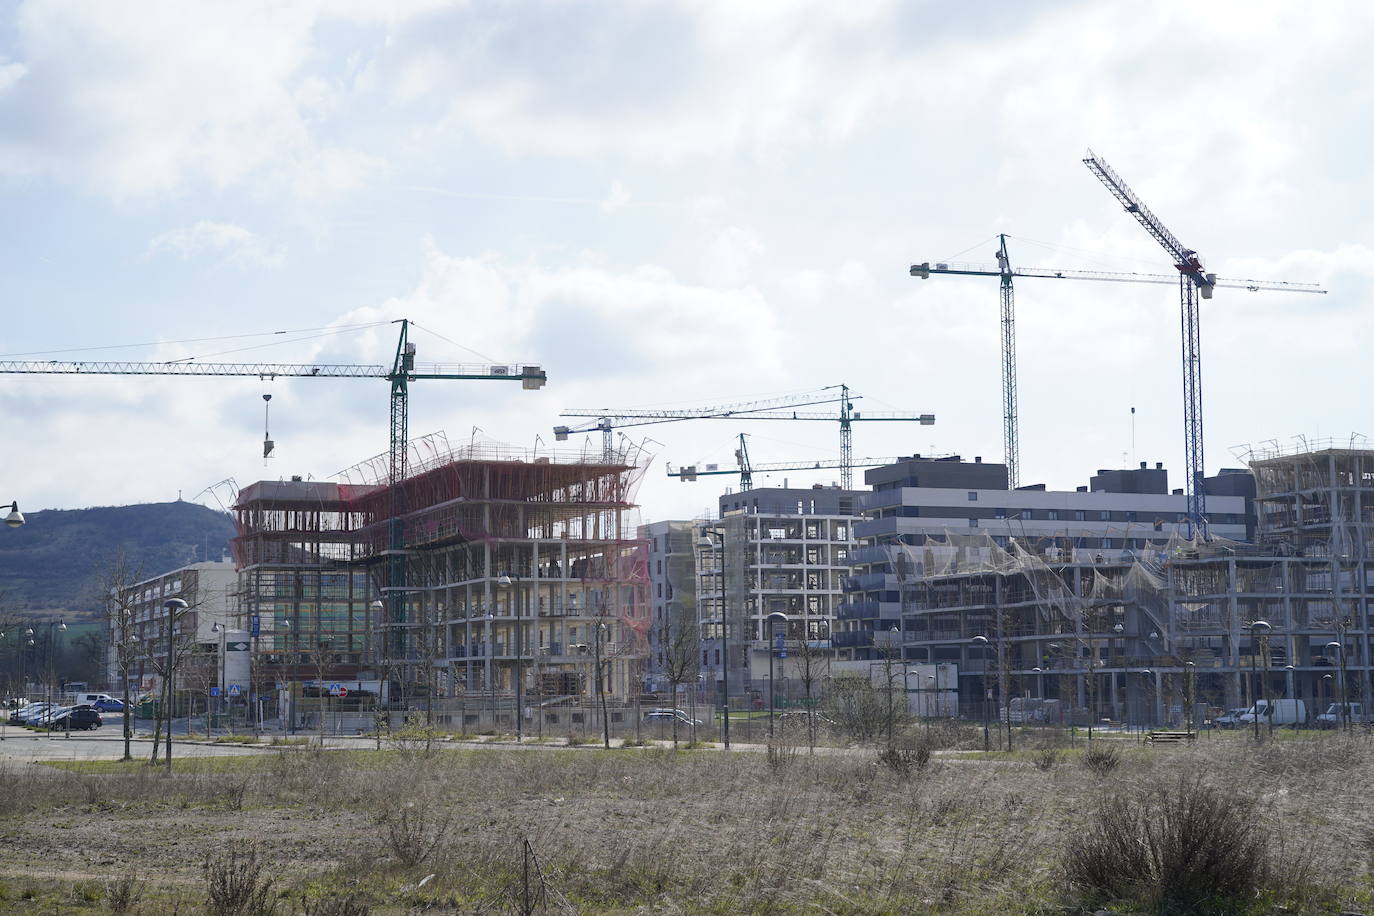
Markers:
1011,445
1193,282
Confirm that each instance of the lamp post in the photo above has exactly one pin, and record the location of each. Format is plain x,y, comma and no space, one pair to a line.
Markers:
223,701
933,688
1345,702
16,518
1329,690
982,642
505,581
1189,694
773,637
708,542
174,608
1121,651
53,628
1258,630
1149,699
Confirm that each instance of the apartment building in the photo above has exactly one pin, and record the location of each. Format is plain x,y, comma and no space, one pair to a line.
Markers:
1118,514
774,550
1140,634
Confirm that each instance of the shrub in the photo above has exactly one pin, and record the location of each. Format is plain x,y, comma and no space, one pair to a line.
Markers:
122,893
1101,759
905,760
1183,847
347,904
236,884
1045,759
413,831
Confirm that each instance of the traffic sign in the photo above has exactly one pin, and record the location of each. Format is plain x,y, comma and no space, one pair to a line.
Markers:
214,691
235,690
255,625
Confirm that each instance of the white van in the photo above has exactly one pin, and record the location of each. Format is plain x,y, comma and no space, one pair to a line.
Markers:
87,699
1332,718
1275,712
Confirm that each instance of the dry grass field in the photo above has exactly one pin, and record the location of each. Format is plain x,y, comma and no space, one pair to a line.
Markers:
1285,827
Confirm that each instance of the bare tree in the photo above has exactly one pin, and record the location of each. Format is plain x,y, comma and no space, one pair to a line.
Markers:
116,596
681,648
812,666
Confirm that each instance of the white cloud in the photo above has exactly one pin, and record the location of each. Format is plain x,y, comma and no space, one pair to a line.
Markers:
618,197
11,72
230,244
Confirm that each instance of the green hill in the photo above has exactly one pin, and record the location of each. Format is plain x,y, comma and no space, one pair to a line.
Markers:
56,560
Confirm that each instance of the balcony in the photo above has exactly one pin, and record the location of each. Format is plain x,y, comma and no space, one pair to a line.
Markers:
857,610
852,640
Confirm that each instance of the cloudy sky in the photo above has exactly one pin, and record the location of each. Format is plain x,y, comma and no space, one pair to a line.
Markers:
670,205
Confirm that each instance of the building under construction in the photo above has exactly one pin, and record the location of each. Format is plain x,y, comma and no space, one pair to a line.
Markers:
1149,632
485,572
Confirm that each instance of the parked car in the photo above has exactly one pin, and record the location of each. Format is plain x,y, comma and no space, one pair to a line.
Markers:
667,715
83,718
109,704
46,715
1333,718
23,712
1231,718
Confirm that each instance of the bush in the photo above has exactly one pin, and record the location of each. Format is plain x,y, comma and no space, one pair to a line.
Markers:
413,831
236,884
122,893
1045,759
905,760
1101,759
1185,847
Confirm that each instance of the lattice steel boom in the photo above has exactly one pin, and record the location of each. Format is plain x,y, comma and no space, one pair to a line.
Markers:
1193,281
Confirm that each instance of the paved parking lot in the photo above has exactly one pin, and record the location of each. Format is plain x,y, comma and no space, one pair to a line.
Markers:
23,746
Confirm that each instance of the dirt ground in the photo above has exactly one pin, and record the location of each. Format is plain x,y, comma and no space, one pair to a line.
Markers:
644,831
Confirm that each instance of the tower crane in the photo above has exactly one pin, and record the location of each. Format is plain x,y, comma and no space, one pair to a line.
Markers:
400,374
759,410
1005,272
1193,281
608,420
746,469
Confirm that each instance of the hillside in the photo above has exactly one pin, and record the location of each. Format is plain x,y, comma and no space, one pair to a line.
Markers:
54,562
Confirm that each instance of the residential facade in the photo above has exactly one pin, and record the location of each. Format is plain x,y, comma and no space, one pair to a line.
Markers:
1146,632
1119,514
773,550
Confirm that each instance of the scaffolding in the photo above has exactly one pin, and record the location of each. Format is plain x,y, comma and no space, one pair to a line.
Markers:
505,572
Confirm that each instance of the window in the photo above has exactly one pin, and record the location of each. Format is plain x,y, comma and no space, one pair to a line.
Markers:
973,523
999,513
973,496
1105,515
1080,516
1130,516
1052,515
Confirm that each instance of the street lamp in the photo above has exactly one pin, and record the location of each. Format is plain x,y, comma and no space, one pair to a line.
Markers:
772,638
15,518
222,631
58,627
708,541
1329,691
1345,704
505,582
1189,694
982,642
174,607
1259,629
1121,652
1149,698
